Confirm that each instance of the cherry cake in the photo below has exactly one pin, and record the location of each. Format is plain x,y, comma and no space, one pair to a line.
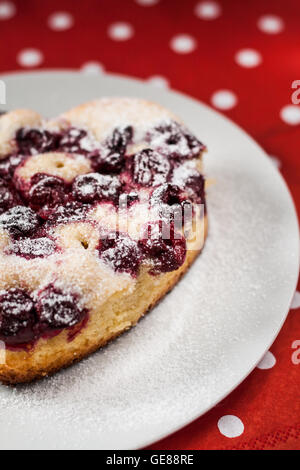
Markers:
101,211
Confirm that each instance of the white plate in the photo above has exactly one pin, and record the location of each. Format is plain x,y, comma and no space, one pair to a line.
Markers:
208,334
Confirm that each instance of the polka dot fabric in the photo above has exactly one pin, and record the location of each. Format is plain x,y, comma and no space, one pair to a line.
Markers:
239,57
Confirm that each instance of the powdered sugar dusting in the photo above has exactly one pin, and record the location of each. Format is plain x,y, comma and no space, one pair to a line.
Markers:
71,212
150,168
33,248
183,172
106,114
123,256
58,164
19,221
173,139
59,307
88,144
88,187
79,141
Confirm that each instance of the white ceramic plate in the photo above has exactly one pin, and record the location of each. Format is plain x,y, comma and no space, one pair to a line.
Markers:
208,334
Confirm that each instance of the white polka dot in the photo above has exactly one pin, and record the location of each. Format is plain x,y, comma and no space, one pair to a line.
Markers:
248,58
270,24
7,10
290,114
30,58
296,300
208,10
60,21
120,31
267,362
158,81
183,44
147,3
276,162
224,99
230,426
92,68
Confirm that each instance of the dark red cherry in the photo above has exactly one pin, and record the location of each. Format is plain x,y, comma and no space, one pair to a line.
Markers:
96,187
72,141
167,193
121,253
20,221
33,141
31,248
113,159
119,140
195,187
112,162
163,246
193,143
73,211
149,168
175,140
8,197
8,166
46,191
17,316
57,308
172,204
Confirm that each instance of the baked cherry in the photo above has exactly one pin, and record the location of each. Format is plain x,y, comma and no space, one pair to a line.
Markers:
46,191
33,141
96,187
172,204
57,308
73,211
30,248
167,193
121,253
17,316
113,160
74,141
8,198
20,221
175,140
195,185
163,246
149,168
120,138
8,166
127,199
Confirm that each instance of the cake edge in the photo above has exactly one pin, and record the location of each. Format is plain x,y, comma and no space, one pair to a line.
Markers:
11,376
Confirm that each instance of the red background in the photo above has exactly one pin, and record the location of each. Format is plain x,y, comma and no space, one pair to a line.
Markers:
268,400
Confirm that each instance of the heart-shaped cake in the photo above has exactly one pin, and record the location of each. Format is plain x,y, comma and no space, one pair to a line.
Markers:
101,211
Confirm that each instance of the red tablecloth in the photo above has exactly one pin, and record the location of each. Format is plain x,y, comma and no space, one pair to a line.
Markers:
250,50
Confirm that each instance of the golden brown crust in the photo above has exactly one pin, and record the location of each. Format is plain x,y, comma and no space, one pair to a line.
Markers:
24,367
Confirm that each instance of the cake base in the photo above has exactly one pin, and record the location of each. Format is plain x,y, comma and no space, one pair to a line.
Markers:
120,312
